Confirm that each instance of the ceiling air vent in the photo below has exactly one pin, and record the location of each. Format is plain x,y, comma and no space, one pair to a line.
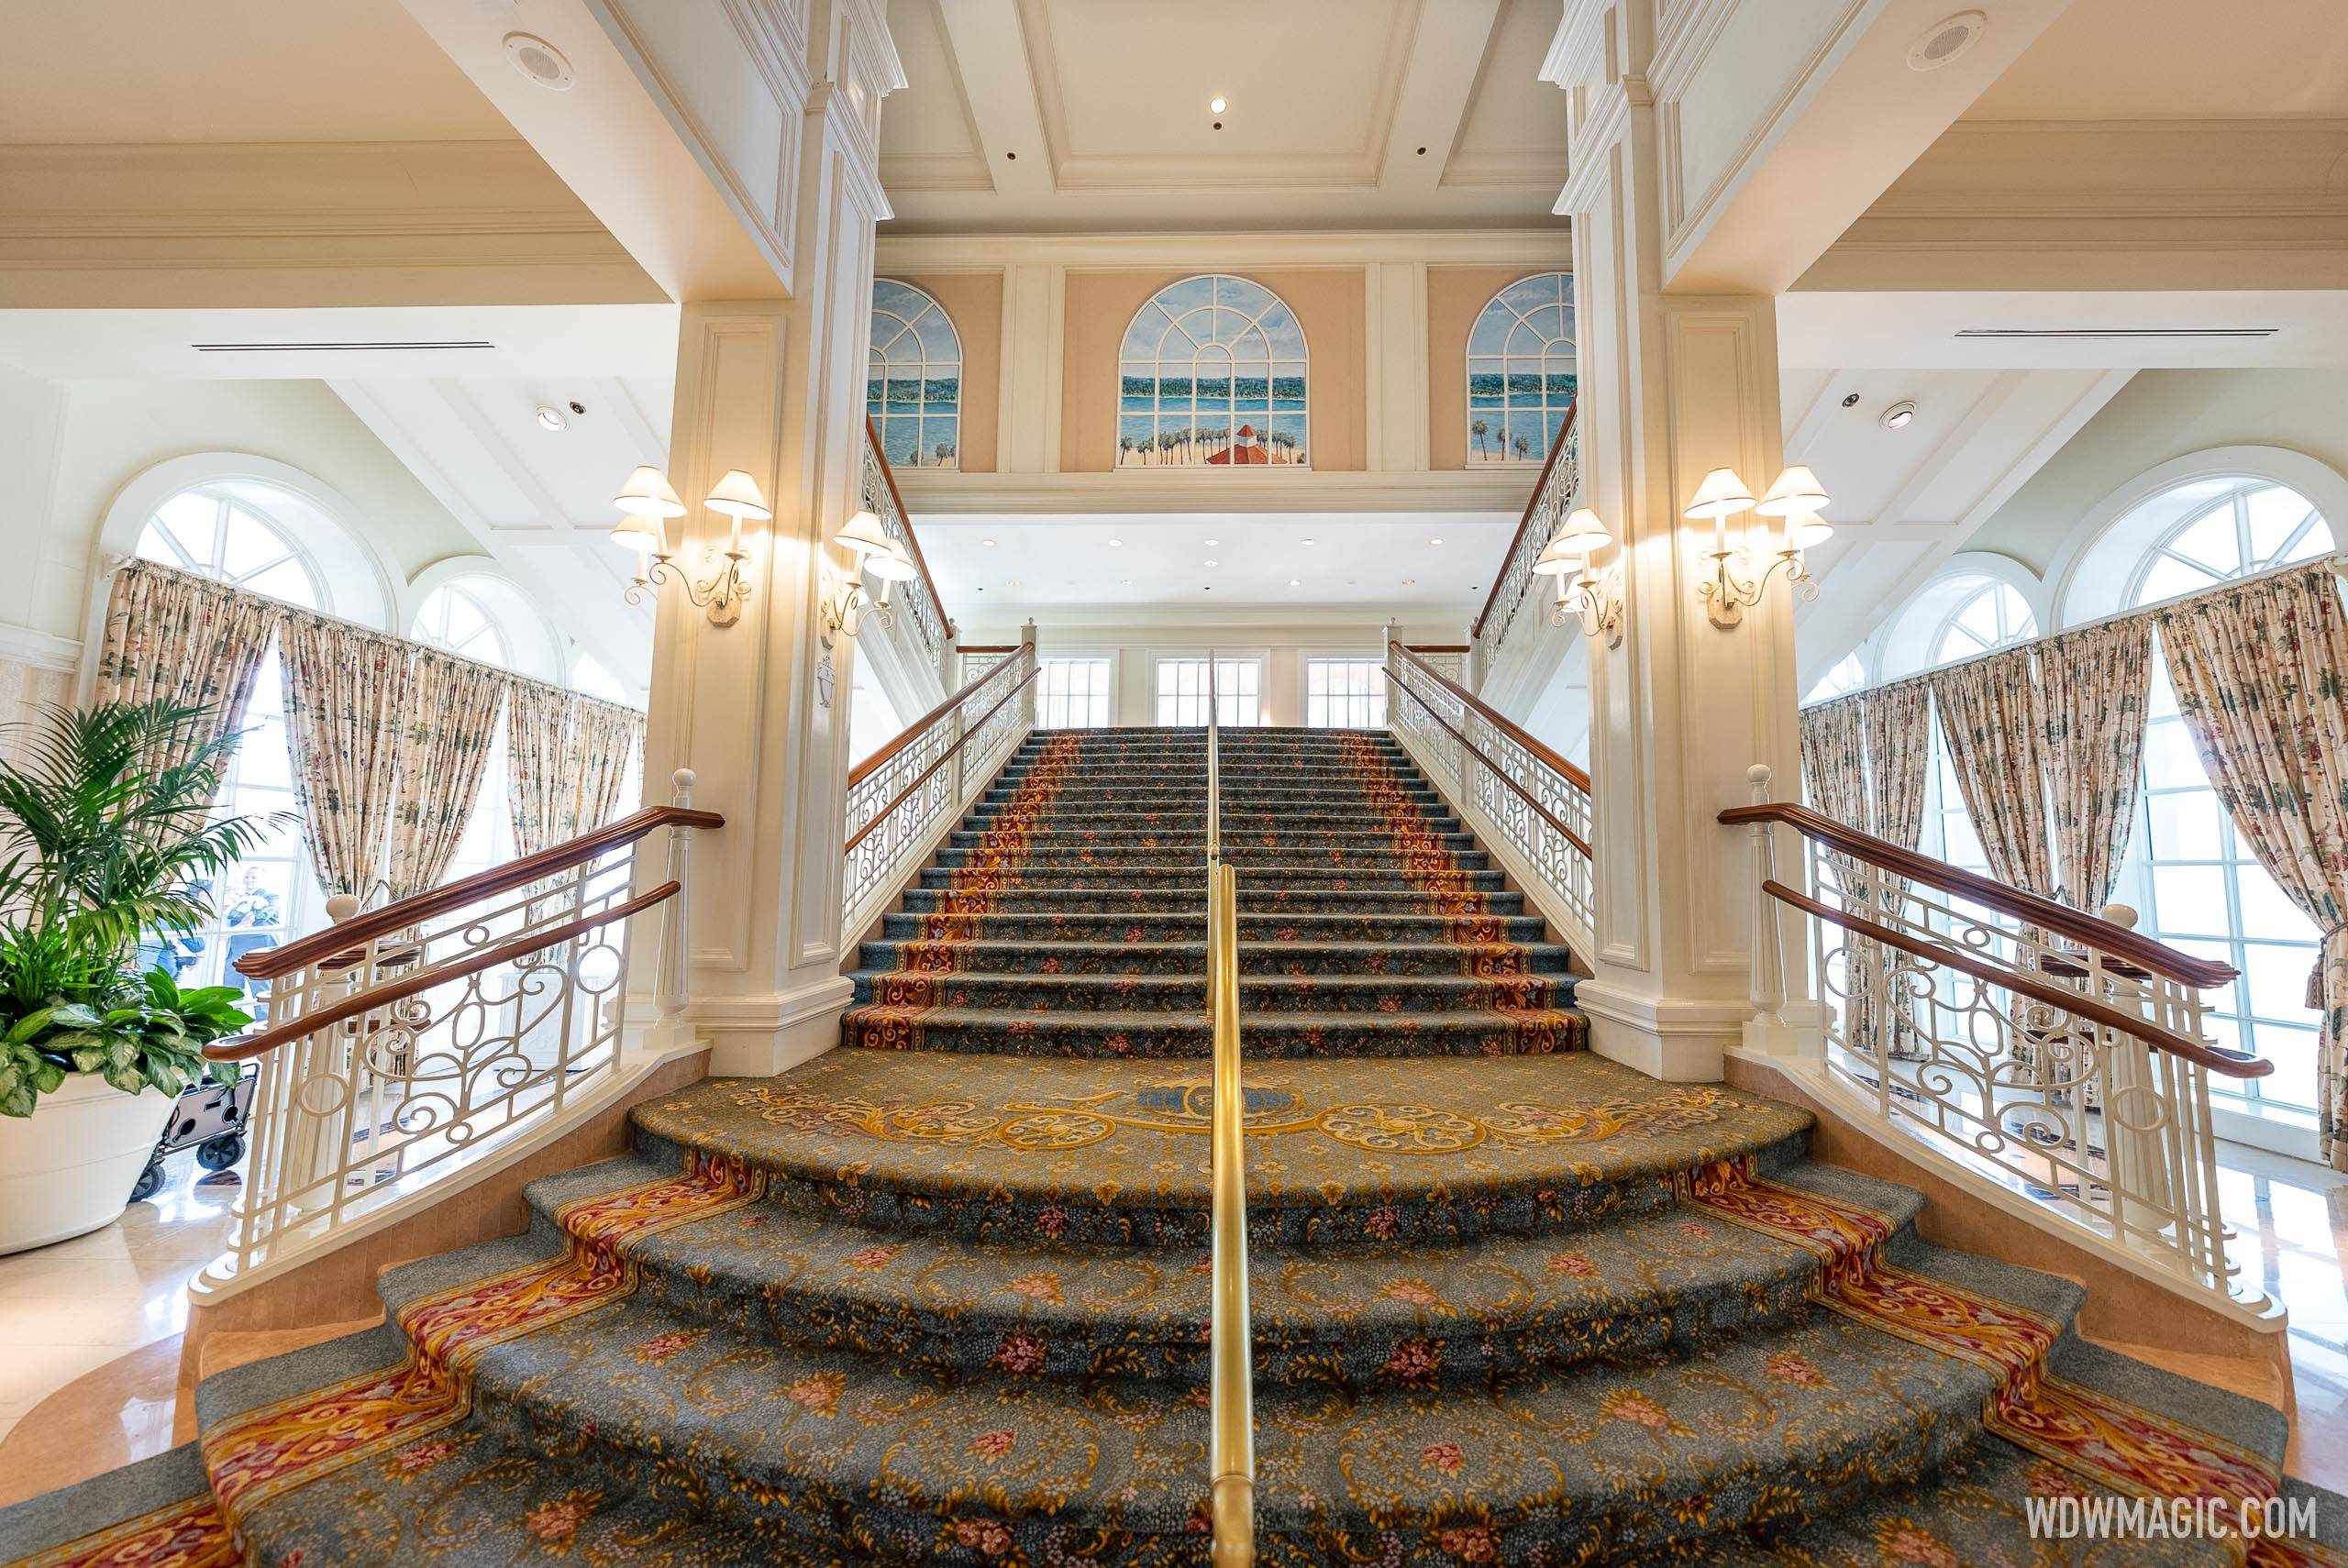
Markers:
329,347
2162,333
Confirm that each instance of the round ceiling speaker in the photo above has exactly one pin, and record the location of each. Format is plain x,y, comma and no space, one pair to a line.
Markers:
1945,40
539,60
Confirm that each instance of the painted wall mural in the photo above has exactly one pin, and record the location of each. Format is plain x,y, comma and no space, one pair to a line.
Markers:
913,390
1212,373
1521,371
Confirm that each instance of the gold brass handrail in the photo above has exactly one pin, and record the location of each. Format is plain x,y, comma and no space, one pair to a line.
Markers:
1231,1453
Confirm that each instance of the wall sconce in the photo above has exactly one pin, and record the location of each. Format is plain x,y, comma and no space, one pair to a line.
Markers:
648,499
1794,499
842,613
1583,594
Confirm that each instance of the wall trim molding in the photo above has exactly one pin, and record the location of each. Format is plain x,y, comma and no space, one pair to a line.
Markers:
1550,246
41,650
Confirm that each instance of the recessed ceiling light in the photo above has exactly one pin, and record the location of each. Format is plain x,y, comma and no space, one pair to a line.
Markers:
1434,541
1304,541
1213,543
1296,582
1116,544
1897,415
1214,563
988,543
1216,104
539,60
1013,582
1128,582
550,416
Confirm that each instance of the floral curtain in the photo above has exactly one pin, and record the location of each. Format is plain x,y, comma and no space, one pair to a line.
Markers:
1900,734
2261,673
1990,717
2092,688
541,770
347,698
609,737
443,747
172,637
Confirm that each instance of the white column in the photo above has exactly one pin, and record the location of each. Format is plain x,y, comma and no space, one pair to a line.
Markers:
757,709
1671,386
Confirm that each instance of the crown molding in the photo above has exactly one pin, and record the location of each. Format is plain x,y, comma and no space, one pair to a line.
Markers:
941,172
1183,490
40,650
1526,168
1549,247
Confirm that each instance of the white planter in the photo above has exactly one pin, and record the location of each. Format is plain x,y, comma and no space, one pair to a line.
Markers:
69,1167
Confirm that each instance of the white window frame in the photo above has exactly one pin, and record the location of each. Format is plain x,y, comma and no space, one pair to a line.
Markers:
1106,657
1155,348
1545,350
879,365
1234,710
1371,701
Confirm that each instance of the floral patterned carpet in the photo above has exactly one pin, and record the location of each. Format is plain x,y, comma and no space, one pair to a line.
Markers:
941,1295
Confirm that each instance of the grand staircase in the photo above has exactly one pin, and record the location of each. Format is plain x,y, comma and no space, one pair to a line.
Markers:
941,1296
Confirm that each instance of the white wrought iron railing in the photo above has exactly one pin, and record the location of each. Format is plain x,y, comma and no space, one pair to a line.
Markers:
1553,497
404,1043
2057,1052
918,601
907,794
1533,804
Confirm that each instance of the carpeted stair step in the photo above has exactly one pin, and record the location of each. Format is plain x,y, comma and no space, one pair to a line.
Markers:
1110,896
1473,928
1534,1030
1191,958
1300,875
1192,845
1268,863
1267,994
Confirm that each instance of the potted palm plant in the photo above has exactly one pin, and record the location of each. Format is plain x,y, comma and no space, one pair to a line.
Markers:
107,836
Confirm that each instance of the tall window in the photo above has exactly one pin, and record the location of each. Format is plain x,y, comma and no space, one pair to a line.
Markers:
1521,371
1072,693
1994,617
913,390
1213,371
2200,888
229,532
1345,693
1847,676
1183,691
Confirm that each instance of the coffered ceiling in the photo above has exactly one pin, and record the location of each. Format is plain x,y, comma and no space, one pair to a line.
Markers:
1057,114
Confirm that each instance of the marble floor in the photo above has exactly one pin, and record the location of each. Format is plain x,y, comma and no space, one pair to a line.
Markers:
90,1328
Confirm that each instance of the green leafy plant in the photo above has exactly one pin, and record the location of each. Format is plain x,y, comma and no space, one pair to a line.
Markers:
109,834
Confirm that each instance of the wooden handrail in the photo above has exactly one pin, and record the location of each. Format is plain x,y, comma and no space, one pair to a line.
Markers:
912,732
2232,1063
2091,930
912,542
271,962
1578,777
1493,767
1525,521
249,1047
943,758
988,648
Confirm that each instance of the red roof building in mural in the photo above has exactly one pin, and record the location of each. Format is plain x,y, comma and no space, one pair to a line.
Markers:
1243,449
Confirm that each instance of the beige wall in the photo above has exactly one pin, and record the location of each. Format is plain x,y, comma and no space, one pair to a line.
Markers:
1329,303
973,302
1456,296
25,689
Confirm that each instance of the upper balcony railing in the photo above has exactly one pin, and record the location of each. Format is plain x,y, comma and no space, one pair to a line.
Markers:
924,611
2055,1052
905,795
1535,802
1553,497
407,1042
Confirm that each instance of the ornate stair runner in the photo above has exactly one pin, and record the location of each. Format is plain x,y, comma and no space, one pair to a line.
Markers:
941,1295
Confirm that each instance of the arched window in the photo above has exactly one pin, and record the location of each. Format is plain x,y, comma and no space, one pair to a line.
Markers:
1521,371
1847,676
590,676
1213,371
247,534
2198,885
914,391
2231,528
1993,617
454,617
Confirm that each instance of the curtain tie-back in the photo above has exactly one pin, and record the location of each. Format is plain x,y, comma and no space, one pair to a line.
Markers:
2331,933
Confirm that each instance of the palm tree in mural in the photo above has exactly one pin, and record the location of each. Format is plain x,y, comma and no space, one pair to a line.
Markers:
1523,448
946,451
1479,429
1167,441
1286,441
1125,448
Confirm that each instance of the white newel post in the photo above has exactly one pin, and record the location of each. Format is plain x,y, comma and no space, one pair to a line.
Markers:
669,1026
2142,1191
1027,656
1766,1030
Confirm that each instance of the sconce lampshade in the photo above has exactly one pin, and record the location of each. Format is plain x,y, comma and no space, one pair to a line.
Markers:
1807,531
1796,491
864,535
638,532
892,564
1559,559
1583,534
648,493
737,495
1721,494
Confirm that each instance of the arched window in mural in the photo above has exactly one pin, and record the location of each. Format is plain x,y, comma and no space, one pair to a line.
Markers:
1213,371
913,389
1521,371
